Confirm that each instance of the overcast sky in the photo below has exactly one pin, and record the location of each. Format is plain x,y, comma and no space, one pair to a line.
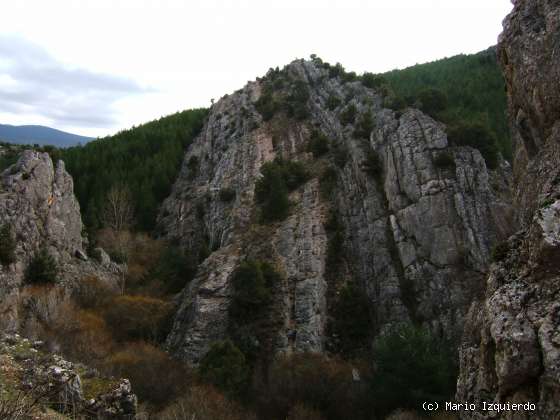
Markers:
94,67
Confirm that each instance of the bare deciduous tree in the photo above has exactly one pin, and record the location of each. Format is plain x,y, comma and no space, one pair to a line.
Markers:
118,212
118,215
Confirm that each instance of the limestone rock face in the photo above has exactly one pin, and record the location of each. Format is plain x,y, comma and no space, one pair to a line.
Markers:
37,201
416,234
510,350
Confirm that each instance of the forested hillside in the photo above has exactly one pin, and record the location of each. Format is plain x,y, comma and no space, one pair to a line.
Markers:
141,162
472,86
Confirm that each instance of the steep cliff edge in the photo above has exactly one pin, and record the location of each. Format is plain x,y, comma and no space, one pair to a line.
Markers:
511,346
415,216
37,203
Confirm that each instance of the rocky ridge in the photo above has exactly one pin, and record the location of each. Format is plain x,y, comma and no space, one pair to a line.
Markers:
38,203
417,233
511,347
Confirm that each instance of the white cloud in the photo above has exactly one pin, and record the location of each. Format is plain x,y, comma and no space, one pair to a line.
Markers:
190,51
35,83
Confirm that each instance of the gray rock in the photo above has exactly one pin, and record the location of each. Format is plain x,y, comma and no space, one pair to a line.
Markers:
510,346
417,239
37,200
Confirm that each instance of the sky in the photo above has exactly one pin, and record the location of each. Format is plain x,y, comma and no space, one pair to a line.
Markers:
94,67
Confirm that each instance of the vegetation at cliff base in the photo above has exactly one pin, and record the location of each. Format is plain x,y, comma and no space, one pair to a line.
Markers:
351,323
253,283
225,367
412,366
42,268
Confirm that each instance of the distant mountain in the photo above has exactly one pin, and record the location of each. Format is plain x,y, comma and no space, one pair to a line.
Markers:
38,134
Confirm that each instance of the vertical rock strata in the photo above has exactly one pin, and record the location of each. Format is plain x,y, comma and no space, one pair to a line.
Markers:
416,235
511,347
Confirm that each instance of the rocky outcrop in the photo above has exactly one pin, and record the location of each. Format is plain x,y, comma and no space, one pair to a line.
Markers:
49,380
417,215
37,202
511,346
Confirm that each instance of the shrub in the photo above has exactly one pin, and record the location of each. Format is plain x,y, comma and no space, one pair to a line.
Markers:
118,245
335,250
296,102
341,155
500,251
433,101
328,181
302,412
138,317
294,173
412,366
349,76
271,190
250,327
175,268
373,165
81,334
365,126
351,321
156,377
311,380
274,97
42,268
372,81
91,293
225,367
272,194
444,160
318,144
336,70
395,102
204,402
266,105
478,136
333,102
348,116
7,245
193,164
142,254
252,283
226,194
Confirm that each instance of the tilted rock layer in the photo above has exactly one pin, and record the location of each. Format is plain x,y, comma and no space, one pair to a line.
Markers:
511,347
416,234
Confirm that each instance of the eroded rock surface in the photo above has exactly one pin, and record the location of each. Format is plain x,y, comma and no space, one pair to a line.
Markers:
416,236
511,347
37,201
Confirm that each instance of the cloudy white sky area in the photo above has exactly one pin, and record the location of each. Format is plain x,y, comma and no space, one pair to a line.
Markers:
96,67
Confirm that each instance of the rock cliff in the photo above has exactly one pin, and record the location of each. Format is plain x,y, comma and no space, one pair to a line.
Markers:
511,346
416,216
37,202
